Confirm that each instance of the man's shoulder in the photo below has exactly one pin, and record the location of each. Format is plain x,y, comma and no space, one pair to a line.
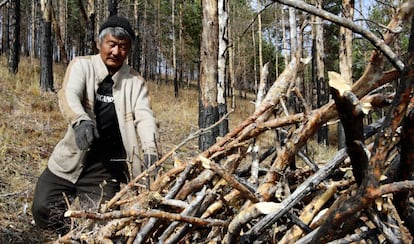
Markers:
81,59
135,75
87,58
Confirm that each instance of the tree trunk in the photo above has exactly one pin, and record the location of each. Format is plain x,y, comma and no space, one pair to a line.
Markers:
260,44
284,39
46,61
136,48
144,42
254,61
113,7
6,37
14,16
222,57
293,32
231,92
276,46
158,53
63,10
208,111
174,48
58,36
319,63
32,45
181,46
90,28
345,56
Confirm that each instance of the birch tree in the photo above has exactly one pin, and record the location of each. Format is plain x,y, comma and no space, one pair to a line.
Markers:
222,67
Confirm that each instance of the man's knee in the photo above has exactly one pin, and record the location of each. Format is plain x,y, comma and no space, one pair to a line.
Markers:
48,205
50,216
40,213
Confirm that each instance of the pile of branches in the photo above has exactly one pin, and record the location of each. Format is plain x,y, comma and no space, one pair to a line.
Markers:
362,193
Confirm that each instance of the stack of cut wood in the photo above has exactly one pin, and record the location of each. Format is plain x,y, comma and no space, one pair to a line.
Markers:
221,195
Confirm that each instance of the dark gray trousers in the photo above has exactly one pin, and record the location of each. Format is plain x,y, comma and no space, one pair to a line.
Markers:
97,182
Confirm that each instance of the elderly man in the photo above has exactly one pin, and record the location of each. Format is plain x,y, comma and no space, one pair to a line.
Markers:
106,104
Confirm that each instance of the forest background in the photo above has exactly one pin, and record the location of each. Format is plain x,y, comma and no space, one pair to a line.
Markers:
39,38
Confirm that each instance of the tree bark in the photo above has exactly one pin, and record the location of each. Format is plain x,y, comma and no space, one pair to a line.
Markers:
319,68
58,36
174,49
14,16
208,110
406,164
90,28
46,59
222,80
345,56
113,7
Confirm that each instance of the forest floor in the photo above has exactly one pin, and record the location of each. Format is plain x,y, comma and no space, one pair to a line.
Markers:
31,125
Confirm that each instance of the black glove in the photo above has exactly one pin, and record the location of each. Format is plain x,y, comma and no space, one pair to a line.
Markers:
85,132
149,159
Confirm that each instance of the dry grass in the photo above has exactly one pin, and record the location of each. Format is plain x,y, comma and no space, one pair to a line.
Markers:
31,125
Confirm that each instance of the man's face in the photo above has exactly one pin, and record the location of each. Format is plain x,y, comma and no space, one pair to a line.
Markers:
114,51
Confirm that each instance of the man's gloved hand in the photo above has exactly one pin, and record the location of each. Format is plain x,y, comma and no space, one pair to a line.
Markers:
149,159
85,132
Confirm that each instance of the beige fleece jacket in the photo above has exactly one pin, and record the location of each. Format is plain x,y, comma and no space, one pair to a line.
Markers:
76,102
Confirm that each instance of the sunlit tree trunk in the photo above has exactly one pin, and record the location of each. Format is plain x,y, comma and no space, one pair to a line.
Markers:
231,65
259,42
276,46
254,60
285,52
208,111
46,61
13,55
345,42
222,57
292,31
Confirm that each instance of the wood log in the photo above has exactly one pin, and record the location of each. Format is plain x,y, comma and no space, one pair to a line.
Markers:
308,213
308,185
145,213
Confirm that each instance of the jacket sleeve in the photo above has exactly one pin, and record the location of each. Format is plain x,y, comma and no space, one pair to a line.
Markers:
72,96
145,122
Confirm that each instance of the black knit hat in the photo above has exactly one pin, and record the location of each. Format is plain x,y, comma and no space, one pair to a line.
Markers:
118,21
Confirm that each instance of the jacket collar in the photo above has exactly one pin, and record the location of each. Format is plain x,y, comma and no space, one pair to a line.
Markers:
102,71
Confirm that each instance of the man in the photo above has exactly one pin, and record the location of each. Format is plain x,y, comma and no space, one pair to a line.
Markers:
106,104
